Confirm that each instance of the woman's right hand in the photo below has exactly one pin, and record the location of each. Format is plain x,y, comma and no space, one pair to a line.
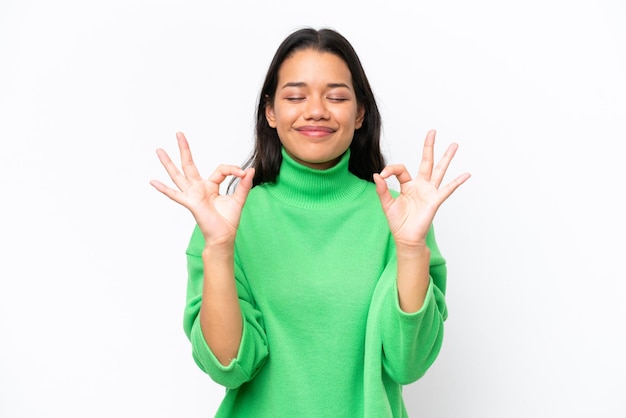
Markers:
216,215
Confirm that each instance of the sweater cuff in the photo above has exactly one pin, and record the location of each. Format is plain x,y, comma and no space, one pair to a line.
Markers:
429,299
232,375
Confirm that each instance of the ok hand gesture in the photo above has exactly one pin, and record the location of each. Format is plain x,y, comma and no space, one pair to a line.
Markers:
412,212
216,215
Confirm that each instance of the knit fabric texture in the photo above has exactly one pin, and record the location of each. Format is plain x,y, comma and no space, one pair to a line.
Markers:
323,332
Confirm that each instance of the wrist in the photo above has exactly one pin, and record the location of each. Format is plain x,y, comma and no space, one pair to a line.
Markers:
413,250
218,249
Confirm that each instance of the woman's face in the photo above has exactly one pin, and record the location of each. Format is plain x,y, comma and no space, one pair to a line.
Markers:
315,111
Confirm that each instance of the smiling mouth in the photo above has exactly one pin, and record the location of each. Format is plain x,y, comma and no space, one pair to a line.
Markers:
315,131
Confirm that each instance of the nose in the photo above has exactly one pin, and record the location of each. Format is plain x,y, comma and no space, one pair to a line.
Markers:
316,109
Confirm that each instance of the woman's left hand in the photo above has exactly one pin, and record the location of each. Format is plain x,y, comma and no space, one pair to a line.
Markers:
412,212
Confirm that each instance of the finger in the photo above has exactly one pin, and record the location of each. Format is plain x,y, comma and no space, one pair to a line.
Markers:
398,170
173,194
449,188
442,166
426,165
172,171
189,167
223,171
243,188
382,190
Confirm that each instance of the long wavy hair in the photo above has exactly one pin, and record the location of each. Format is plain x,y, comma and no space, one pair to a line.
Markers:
365,154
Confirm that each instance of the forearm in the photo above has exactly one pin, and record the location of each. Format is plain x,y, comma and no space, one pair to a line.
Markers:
413,276
220,313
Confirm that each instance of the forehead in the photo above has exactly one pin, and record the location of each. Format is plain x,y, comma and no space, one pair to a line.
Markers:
312,66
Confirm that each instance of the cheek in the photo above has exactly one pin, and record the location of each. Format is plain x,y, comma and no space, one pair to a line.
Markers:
285,116
351,118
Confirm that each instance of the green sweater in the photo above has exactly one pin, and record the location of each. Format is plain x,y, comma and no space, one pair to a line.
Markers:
323,333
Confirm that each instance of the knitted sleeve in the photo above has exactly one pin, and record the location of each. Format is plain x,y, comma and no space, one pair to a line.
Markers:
412,341
253,349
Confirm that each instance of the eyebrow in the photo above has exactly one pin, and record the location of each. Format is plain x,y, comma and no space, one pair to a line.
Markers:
303,84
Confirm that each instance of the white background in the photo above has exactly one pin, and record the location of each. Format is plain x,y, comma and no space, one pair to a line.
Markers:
92,270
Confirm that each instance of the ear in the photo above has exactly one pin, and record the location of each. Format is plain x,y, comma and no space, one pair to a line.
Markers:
360,117
270,116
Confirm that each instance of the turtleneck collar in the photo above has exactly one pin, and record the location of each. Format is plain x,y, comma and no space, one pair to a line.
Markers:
306,187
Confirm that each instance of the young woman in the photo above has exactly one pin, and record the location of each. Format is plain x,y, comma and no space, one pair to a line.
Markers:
313,289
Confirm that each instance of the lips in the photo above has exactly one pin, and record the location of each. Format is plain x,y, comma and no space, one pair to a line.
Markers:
315,131
323,129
